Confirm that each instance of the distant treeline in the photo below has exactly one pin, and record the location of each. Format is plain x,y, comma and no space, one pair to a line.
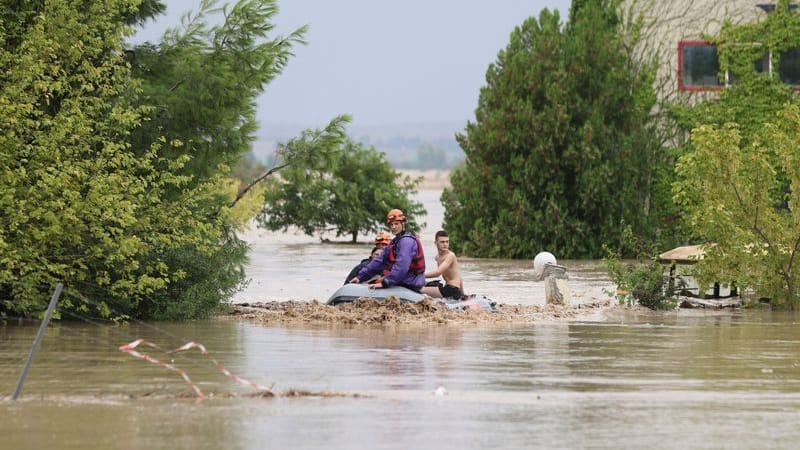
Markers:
402,152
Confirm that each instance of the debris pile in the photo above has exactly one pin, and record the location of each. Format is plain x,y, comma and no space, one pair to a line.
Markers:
392,311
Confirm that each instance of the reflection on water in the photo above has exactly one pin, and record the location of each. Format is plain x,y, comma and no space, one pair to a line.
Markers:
686,379
678,380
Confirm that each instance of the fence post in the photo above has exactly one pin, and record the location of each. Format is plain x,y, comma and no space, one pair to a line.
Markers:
38,339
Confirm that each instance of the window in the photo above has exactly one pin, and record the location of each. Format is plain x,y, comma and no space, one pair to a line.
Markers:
789,67
763,65
698,66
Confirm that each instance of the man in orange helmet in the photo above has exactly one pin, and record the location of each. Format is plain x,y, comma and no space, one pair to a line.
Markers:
402,263
381,241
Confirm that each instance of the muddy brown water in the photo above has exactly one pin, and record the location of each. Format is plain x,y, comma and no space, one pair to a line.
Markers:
620,379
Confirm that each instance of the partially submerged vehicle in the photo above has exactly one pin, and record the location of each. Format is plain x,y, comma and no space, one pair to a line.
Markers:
352,292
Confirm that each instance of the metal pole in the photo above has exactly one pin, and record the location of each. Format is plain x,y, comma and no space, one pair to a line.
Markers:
38,340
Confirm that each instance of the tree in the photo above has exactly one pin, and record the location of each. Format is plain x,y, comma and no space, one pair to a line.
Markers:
248,169
738,180
558,155
728,192
203,82
348,191
115,169
79,203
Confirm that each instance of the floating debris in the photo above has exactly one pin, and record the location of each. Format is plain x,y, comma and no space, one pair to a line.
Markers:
367,311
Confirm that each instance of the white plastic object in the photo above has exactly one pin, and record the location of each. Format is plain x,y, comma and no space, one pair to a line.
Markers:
539,262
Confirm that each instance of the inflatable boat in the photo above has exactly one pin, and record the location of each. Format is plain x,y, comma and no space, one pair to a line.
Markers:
351,292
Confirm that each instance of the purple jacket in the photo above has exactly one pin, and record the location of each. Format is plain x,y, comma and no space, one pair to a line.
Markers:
405,250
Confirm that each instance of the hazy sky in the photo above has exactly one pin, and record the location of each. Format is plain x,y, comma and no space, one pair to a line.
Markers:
385,63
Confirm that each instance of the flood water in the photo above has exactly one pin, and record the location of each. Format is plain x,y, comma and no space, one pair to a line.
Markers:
684,379
293,266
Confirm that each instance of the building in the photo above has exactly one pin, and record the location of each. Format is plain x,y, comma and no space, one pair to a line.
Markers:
677,33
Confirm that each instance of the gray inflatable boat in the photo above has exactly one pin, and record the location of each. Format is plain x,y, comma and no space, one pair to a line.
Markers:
351,292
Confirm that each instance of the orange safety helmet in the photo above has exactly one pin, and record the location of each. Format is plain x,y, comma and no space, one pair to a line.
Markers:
383,238
395,215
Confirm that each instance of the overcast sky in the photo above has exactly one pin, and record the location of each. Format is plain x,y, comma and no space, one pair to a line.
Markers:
384,63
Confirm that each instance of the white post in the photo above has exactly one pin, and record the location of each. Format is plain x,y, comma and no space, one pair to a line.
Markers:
556,290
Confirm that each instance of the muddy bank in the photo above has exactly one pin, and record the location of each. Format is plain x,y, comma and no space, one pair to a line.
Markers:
395,312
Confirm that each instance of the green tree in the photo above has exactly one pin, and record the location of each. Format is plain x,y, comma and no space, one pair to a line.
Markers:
203,82
114,175
728,193
738,180
249,168
558,157
80,204
348,191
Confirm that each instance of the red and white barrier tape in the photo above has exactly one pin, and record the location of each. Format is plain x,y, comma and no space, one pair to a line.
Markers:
130,349
220,367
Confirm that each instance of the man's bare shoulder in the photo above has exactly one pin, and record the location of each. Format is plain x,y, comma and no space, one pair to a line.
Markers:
448,257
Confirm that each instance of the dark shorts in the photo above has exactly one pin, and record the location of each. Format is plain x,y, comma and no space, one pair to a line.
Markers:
450,291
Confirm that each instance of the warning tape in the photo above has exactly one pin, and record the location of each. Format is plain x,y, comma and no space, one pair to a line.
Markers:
220,367
130,348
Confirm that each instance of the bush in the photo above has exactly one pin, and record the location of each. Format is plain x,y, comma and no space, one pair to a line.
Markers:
640,282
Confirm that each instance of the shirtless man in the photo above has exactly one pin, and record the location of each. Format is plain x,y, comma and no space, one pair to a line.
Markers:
447,268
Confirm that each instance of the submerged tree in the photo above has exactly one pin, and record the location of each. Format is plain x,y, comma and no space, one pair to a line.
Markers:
79,203
203,82
347,191
114,171
729,192
739,179
557,157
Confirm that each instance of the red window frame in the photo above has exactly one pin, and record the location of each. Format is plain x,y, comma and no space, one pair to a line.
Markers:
683,87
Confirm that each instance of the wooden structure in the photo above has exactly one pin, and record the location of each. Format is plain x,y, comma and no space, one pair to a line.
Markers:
685,283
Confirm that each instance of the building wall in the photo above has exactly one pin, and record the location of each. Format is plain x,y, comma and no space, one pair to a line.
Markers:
668,22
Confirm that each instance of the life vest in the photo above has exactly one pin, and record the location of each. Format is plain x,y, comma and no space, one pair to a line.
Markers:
417,265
